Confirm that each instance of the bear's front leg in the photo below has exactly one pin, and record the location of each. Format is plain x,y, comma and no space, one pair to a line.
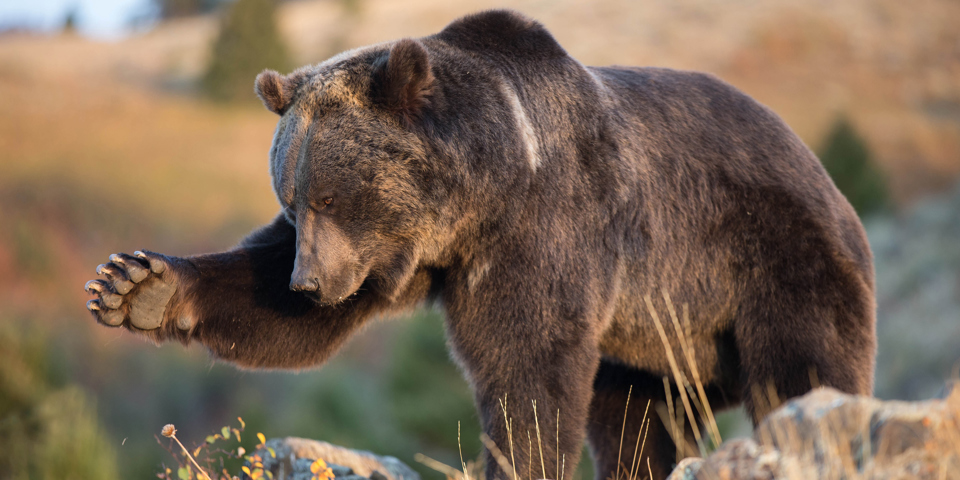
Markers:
523,395
237,303
518,347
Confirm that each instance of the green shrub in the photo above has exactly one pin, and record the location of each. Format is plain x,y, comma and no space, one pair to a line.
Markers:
249,42
184,8
848,161
47,432
428,394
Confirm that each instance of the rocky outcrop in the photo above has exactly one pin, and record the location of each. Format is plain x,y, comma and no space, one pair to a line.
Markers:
824,435
291,458
827,434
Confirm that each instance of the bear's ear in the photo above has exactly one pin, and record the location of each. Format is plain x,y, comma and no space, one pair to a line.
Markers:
402,82
275,90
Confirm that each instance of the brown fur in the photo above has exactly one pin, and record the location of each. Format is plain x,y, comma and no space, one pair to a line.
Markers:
537,201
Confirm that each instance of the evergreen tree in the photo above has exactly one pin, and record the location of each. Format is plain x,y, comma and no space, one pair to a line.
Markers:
249,42
70,23
848,161
184,8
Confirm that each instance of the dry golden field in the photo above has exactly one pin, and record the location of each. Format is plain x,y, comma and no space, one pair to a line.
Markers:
119,126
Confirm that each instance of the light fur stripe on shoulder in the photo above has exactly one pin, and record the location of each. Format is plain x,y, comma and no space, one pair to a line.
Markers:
524,126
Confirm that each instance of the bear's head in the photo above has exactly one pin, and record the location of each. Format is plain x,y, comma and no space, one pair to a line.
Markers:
349,168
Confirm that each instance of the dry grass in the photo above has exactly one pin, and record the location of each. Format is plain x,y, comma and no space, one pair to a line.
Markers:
508,465
838,447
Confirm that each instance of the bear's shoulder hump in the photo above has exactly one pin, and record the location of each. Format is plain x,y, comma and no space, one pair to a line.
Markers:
505,32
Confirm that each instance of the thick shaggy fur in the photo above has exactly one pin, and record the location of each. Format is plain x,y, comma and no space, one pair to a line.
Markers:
537,201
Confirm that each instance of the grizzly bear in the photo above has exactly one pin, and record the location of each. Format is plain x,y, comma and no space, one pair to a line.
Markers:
537,201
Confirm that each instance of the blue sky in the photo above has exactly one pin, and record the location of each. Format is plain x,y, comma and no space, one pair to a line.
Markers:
106,19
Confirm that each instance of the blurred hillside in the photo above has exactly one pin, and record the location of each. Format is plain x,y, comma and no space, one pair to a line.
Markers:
893,67
109,147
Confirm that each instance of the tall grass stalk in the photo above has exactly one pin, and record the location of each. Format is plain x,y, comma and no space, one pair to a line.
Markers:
677,375
463,464
688,353
622,430
439,466
536,421
509,424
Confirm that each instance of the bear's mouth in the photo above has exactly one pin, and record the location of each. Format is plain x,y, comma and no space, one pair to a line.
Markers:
314,296
317,297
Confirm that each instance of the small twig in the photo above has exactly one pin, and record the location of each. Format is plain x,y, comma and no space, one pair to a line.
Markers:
530,455
558,445
438,466
634,467
462,463
495,451
170,431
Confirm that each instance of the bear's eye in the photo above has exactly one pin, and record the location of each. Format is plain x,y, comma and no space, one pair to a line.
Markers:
327,201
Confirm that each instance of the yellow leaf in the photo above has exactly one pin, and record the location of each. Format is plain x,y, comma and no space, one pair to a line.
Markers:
242,424
237,433
261,438
197,451
318,466
245,470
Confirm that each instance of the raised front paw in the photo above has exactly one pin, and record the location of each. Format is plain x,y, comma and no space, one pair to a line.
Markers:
136,289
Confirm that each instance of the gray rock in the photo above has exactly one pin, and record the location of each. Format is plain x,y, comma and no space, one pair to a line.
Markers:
292,457
827,434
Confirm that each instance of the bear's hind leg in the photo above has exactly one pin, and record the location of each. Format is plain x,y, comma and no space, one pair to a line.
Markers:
606,425
793,340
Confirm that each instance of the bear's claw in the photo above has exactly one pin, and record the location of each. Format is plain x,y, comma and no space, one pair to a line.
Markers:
117,277
156,265
136,269
107,297
94,287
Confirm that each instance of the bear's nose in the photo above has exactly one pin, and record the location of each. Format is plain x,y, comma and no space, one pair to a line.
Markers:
304,284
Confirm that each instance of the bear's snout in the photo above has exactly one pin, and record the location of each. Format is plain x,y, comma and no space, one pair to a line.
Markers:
309,286
304,284
326,268
327,290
